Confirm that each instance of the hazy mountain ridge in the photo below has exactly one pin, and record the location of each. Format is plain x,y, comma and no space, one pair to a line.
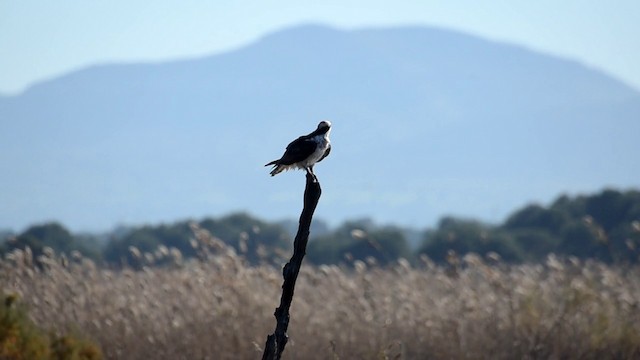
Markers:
426,122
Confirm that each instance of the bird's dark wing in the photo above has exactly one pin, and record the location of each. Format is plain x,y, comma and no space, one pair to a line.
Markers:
298,150
326,153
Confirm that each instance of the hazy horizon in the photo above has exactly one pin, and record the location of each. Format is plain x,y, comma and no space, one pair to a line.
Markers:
143,143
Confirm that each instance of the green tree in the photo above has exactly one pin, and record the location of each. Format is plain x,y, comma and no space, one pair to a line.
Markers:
536,216
119,250
609,208
359,240
257,240
588,226
464,236
584,240
534,244
384,245
52,235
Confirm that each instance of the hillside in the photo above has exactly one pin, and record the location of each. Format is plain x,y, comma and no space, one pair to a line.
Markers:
426,122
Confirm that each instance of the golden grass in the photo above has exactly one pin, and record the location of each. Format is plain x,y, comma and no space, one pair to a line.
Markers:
222,308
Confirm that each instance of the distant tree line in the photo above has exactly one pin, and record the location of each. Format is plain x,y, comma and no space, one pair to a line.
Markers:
604,226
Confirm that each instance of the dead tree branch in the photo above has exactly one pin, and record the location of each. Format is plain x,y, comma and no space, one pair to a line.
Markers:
277,341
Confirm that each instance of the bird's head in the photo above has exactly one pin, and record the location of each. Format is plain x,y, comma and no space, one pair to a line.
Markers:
324,127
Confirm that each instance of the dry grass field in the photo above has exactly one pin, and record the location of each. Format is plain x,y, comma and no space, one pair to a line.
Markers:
222,308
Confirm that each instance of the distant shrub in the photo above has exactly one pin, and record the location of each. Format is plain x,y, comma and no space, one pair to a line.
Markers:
69,347
21,339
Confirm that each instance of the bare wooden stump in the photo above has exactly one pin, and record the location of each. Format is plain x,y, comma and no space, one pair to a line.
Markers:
276,342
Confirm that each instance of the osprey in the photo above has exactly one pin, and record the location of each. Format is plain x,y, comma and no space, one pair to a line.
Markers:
305,151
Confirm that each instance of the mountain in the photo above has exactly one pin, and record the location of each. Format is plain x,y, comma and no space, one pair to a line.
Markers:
426,122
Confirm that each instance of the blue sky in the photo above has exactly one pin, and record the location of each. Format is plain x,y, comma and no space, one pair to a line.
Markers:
43,39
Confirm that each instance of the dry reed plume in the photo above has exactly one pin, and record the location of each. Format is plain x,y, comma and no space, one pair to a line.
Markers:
221,308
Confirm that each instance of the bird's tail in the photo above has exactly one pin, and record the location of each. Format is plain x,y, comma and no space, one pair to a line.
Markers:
277,168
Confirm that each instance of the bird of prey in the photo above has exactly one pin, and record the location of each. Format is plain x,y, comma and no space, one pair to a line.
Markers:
305,151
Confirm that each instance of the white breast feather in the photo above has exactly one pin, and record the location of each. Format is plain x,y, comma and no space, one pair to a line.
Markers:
321,148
